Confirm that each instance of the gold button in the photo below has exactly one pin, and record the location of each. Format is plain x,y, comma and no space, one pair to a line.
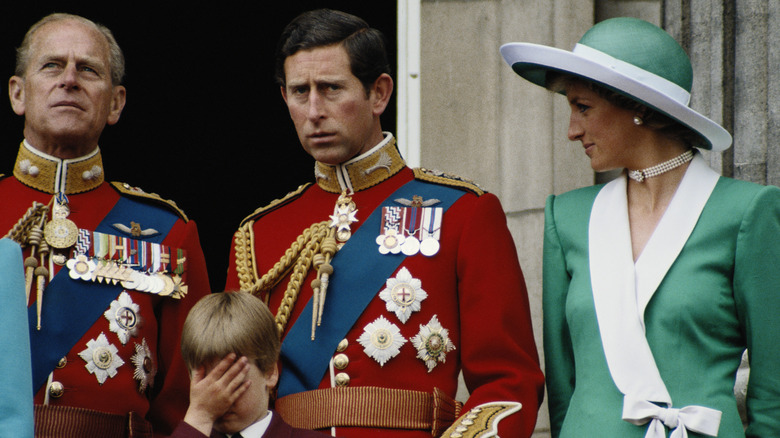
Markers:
56,389
342,379
342,345
62,362
340,361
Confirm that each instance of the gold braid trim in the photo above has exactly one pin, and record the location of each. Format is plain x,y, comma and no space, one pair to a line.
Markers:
481,421
447,179
137,192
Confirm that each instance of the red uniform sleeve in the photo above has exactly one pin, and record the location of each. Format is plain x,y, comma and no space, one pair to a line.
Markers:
498,351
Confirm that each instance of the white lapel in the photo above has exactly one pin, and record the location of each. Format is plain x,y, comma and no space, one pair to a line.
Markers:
673,230
628,355
622,290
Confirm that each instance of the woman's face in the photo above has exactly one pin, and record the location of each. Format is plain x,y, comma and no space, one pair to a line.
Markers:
606,131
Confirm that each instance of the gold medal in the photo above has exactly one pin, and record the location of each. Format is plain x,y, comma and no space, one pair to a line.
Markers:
168,285
61,233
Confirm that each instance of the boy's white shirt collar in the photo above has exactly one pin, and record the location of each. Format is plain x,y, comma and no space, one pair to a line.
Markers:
622,290
258,428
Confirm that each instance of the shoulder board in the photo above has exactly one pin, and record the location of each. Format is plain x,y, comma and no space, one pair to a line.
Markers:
447,179
135,192
276,203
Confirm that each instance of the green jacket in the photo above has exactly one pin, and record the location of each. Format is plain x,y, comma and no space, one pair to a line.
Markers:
720,296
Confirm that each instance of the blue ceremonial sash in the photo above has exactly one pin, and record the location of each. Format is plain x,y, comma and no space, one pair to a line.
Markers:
71,307
305,362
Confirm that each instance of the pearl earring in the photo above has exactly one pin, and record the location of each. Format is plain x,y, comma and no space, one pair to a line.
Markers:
638,121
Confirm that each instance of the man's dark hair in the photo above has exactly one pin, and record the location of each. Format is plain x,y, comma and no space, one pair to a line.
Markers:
365,46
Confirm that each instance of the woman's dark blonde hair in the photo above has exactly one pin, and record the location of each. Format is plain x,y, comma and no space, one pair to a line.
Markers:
230,322
558,81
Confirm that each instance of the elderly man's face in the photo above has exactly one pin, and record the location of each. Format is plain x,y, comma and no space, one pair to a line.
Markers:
335,118
66,94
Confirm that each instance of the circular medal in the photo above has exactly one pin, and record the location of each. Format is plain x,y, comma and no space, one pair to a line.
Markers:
390,241
61,233
343,235
429,247
156,284
134,279
168,285
411,246
59,259
102,357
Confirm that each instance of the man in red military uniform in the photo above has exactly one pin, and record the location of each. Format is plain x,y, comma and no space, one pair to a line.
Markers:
387,281
111,271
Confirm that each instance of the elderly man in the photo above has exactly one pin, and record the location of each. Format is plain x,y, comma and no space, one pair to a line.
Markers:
387,281
111,271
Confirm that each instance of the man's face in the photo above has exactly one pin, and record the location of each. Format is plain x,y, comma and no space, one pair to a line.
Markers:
335,118
66,94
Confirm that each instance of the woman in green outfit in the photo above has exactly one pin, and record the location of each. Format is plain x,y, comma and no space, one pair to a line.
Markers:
655,283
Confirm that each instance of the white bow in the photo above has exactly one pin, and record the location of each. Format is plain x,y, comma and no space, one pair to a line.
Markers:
696,418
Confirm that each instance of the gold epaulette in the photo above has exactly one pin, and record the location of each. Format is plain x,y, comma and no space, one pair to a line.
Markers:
447,179
135,192
481,421
276,203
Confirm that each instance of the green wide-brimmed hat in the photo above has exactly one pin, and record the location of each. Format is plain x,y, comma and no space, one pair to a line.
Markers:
633,57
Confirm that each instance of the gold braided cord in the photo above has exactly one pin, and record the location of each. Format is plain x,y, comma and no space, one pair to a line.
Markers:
245,270
298,256
246,265
302,265
19,232
28,232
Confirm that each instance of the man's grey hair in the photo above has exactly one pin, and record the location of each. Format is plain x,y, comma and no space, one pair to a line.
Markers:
115,57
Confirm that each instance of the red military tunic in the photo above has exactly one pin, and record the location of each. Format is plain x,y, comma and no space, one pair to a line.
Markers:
161,397
474,286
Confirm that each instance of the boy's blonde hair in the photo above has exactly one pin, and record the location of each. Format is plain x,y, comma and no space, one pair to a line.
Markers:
230,322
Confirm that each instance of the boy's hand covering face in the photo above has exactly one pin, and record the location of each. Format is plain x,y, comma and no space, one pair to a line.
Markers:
213,393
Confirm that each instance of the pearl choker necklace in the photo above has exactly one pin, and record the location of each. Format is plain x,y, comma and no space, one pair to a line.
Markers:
641,175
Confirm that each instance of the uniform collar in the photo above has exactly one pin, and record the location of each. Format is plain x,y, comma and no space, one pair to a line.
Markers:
363,171
53,175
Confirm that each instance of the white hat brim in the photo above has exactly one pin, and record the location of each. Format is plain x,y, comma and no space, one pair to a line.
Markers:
532,61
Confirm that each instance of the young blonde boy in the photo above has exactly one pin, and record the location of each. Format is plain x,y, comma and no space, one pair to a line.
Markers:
230,346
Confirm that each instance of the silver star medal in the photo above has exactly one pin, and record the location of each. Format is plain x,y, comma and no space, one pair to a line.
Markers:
145,367
123,317
344,215
403,294
101,358
381,340
432,343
